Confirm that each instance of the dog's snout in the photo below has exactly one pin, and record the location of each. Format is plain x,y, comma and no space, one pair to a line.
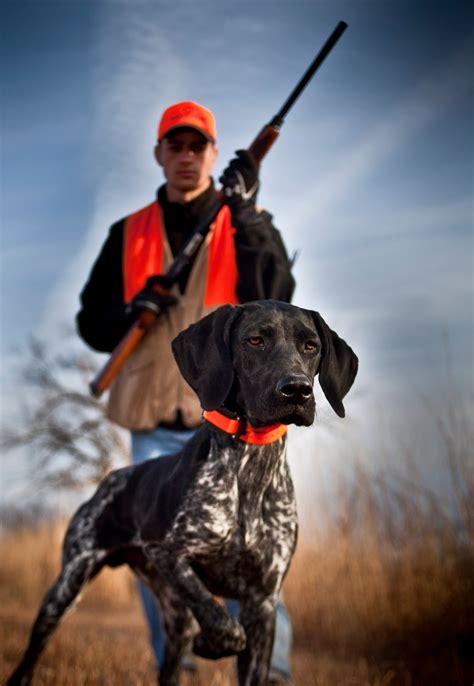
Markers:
295,387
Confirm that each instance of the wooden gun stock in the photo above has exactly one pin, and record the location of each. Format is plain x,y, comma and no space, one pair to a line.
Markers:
121,353
264,141
259,148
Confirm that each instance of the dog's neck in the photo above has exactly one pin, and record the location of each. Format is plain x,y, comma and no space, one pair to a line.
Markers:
257,467
241,429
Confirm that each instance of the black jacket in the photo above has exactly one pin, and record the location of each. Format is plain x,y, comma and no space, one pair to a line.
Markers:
262,262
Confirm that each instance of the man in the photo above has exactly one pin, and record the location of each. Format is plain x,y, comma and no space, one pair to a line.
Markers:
242,259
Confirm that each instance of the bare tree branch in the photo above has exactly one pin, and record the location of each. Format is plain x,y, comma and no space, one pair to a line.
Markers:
72,442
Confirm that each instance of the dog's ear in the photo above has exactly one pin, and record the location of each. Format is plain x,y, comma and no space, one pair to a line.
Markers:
338,366
203,354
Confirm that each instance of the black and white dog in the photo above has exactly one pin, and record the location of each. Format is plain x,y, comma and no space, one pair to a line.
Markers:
218,518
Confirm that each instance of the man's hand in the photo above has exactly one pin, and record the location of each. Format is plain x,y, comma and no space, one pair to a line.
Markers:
152,297
240,179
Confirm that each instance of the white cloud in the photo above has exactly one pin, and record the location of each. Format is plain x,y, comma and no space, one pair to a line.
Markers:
135,81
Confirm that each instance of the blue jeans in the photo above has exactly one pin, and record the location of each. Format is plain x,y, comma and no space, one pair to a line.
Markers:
161,441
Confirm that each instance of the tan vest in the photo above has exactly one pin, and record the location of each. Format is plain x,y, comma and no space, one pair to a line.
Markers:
149,388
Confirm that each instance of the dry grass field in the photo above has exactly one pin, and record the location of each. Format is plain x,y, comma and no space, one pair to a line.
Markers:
381,594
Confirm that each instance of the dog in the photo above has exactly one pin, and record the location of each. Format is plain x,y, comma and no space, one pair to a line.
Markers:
219,517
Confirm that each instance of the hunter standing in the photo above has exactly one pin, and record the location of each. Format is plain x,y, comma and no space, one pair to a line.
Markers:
242,259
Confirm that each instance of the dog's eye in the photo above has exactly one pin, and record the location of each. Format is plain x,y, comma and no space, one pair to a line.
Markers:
311,346
256,341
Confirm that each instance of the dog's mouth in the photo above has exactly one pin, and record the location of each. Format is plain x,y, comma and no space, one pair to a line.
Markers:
298,414
271,408
295,418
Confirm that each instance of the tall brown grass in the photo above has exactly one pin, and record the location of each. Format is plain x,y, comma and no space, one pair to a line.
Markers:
380,593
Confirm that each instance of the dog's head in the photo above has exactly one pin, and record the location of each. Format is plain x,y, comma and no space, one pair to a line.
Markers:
260,360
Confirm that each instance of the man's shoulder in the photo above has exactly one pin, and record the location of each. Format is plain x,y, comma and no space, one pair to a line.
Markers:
119,224
151,206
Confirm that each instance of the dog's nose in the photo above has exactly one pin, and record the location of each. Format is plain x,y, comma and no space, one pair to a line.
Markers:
295,387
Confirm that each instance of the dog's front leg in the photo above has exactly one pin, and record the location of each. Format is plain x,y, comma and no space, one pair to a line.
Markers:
257,616
222,635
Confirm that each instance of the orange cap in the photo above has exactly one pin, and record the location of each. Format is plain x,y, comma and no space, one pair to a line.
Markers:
188,114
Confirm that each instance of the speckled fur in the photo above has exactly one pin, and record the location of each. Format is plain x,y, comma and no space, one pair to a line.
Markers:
218,518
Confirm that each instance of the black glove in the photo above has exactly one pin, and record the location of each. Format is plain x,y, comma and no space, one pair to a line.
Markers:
240,179
151,298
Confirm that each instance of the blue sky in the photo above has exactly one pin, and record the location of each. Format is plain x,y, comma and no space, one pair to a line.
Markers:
371,179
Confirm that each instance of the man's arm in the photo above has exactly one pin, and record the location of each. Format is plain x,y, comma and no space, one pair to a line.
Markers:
262,260
103,320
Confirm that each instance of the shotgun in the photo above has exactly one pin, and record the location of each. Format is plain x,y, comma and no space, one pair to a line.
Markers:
258,148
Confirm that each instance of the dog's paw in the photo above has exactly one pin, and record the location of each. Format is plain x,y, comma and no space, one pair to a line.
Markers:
217,644
202,648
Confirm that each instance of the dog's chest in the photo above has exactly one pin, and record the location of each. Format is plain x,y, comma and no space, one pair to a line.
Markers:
239,517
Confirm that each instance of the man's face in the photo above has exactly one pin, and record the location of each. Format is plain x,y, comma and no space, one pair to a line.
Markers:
187,159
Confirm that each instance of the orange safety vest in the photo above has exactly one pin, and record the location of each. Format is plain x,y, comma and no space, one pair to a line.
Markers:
143,255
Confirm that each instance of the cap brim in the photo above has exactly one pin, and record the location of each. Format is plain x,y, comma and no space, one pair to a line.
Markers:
206,135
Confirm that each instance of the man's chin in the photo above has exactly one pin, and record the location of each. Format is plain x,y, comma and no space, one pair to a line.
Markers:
183,186
186,184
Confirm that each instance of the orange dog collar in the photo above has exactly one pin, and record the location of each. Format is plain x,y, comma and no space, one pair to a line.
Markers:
243,430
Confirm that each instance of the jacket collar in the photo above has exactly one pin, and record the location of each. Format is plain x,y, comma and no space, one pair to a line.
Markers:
190,212
242,429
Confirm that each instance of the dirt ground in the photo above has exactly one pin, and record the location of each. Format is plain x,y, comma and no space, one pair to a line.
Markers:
105,647
101,646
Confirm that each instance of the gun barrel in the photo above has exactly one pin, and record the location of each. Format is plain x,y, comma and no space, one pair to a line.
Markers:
313,67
